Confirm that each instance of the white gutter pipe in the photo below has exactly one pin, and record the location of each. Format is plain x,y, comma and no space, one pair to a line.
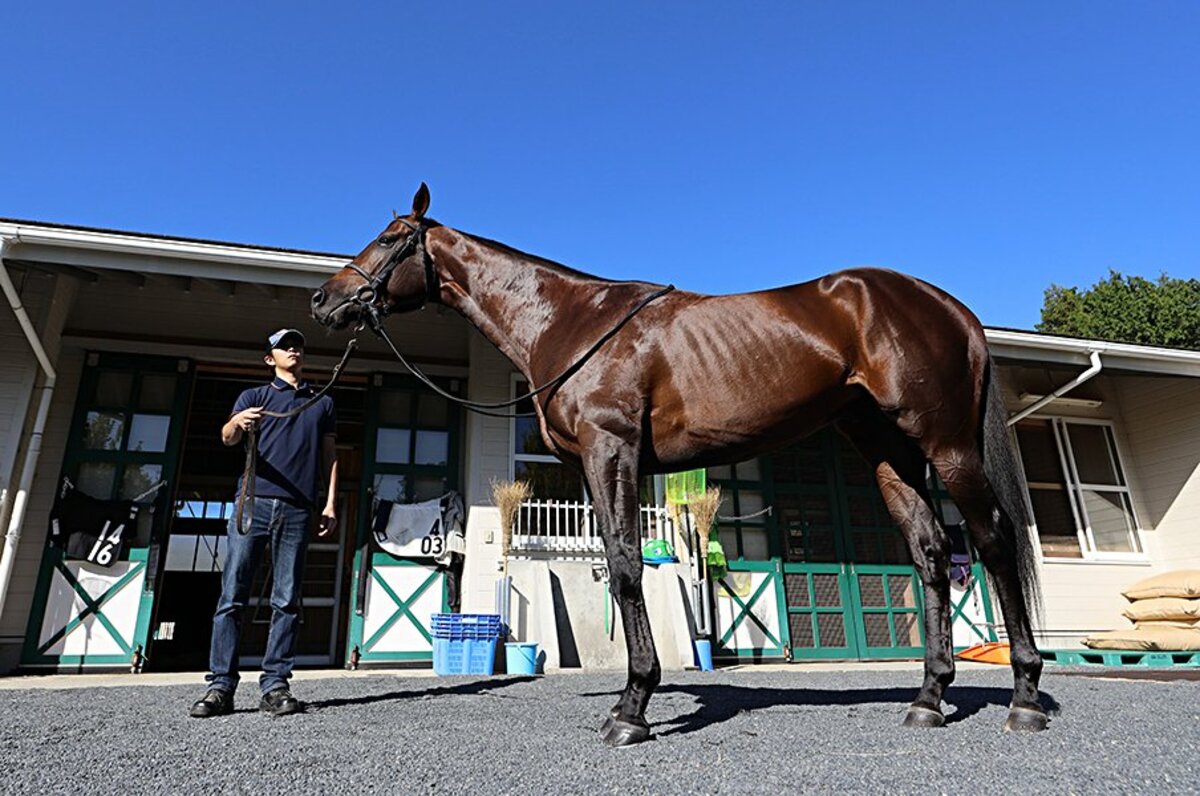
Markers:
1092,370
8,559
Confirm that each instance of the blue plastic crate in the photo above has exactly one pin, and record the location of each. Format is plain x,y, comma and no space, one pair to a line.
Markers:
464,656
465,626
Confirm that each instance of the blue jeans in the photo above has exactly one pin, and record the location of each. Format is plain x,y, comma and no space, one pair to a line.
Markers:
285,526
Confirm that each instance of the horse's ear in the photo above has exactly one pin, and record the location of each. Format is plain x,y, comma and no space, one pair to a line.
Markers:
421,201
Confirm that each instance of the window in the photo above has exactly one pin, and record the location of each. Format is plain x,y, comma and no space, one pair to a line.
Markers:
1077,488
413,451
747,537
532,461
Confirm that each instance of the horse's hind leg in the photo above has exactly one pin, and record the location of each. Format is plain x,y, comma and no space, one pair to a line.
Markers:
900,471
993,534
610,466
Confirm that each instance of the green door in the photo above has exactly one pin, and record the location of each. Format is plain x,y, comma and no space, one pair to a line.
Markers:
411,455
124,440
850,590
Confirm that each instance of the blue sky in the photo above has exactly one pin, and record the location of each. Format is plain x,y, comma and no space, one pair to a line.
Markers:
991,149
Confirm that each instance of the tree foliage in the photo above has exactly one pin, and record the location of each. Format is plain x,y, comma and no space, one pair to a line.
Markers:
1128,309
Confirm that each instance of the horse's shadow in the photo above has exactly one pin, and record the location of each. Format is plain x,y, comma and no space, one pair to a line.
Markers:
719,703
472,688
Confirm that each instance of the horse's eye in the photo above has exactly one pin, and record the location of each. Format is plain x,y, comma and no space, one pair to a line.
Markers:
386,240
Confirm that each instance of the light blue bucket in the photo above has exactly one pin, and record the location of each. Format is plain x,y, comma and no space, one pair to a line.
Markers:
704,654
520,657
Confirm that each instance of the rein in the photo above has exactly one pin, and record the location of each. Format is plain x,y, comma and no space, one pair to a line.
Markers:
481,407
251,437
369,300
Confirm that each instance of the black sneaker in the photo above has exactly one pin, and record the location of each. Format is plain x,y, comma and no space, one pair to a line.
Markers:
215,703
279,702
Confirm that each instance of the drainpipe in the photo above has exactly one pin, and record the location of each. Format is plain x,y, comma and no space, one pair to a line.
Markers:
21,500
1092,370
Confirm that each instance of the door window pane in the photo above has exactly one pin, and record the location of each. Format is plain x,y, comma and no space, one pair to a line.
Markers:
148,433
113,388
103,430
390,487
395,408
139,478
157,393
433,447
391,445
433,411
754,544
96,479
428,488
748,470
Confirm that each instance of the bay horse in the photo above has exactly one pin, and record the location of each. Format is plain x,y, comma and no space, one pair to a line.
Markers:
644,379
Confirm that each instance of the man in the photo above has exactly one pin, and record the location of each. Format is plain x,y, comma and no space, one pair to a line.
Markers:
294,453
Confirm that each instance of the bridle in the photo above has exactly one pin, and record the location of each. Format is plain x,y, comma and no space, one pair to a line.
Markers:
372,308
369,297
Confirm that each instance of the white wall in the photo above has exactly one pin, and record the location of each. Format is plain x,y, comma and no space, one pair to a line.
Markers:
1157,426
48,301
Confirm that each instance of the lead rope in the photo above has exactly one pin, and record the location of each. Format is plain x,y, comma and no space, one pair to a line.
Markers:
480,407
251,438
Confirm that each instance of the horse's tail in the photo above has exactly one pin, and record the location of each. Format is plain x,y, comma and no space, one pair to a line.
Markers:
1004,474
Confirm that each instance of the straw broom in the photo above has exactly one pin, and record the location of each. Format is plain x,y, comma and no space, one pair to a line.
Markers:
508,497
704,510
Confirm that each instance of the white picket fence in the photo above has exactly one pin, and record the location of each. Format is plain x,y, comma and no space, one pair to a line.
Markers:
569,528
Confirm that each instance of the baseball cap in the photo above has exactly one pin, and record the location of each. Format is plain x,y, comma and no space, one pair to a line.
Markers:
278,337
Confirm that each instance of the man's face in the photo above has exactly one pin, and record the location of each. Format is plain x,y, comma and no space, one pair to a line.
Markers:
288,355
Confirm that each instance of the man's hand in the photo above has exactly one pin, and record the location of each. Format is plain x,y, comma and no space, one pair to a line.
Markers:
246,418
328,522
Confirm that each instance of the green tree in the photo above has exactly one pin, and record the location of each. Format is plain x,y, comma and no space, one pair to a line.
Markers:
1127,309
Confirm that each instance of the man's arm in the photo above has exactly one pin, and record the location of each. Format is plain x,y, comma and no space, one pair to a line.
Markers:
329,467
239,423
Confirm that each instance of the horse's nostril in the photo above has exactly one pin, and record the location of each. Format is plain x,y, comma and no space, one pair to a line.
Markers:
318,298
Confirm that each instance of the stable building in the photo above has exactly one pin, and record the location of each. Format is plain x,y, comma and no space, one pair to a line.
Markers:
121,355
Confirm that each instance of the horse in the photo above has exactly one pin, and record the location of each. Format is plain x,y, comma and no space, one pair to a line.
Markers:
638,378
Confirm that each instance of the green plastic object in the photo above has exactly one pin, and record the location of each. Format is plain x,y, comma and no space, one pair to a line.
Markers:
717,565
685,487
658,548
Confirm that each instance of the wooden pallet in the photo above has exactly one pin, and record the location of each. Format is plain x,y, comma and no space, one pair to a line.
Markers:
1142,658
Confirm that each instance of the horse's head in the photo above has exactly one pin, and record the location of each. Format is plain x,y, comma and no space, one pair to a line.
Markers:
392,274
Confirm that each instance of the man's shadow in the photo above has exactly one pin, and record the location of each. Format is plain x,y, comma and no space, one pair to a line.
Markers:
472,688
719,703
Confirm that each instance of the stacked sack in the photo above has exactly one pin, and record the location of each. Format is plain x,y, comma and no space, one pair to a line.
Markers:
1165,611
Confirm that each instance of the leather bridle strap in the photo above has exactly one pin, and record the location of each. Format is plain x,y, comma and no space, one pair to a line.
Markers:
369,295
480,407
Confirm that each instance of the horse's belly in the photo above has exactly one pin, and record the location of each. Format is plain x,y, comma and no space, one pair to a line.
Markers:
725,426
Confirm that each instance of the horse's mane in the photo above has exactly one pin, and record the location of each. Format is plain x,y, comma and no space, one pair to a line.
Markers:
542,261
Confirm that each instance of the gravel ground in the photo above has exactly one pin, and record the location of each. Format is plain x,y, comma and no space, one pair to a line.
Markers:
734,731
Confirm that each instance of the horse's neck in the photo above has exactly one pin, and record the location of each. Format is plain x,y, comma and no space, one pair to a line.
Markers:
513,300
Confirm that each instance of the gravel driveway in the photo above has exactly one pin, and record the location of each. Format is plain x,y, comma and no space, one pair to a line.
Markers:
733,731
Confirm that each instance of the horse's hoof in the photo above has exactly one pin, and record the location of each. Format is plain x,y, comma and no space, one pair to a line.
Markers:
1025,720
616,732
918,716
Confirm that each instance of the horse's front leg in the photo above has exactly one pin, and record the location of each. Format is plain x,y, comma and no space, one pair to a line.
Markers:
610,466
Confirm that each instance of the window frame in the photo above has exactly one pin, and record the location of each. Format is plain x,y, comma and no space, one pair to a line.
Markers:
541,458
1059,427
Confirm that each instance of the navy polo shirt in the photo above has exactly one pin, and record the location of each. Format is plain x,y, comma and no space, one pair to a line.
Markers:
289,448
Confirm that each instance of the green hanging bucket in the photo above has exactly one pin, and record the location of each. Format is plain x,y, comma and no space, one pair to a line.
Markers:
685,487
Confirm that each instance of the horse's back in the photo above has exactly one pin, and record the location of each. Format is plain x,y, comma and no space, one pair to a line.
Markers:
783,362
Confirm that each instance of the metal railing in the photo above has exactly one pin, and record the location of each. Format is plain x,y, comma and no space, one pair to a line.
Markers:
570,528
